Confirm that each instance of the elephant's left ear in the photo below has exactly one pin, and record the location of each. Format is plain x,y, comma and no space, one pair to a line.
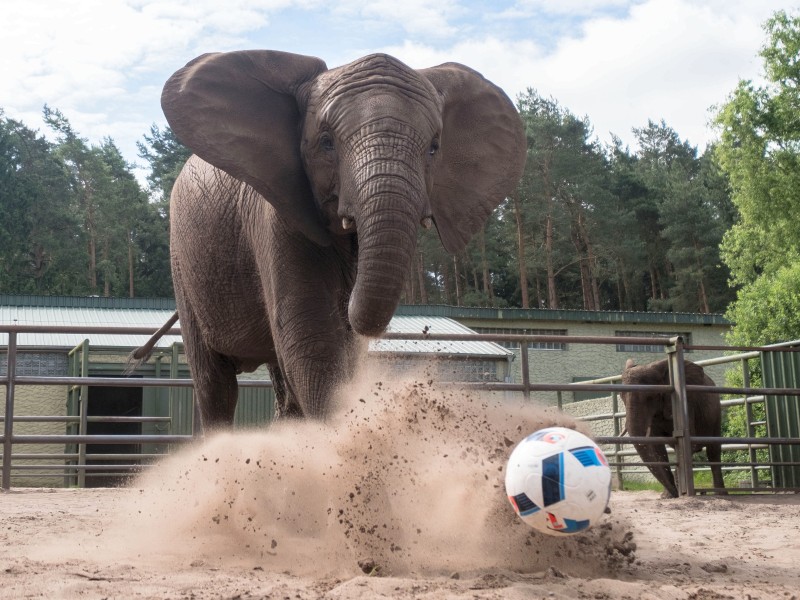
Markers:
483,151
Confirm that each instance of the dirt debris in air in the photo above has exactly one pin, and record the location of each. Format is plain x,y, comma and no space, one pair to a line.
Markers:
407,478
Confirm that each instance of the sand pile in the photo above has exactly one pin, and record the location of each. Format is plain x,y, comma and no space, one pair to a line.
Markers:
407,478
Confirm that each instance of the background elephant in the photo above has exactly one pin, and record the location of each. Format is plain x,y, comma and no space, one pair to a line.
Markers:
294,225
650,414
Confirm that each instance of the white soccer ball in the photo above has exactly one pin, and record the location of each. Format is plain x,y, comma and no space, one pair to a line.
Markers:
558,481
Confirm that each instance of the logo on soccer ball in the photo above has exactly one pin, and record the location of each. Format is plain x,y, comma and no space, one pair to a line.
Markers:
549,436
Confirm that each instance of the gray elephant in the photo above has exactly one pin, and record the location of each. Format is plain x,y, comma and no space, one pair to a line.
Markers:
650,414
294,225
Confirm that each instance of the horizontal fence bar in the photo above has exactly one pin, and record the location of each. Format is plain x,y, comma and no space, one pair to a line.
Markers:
701,440
89,456
105,381
60,419
103,468
529,339
100,439
123,330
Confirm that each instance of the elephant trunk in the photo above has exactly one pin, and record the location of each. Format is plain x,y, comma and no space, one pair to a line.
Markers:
390,197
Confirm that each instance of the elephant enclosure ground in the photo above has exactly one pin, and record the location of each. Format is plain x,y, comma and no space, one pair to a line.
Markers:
700,549
399,496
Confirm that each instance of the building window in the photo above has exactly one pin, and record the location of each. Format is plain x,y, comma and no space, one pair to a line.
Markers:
687,339
37,364
531,346
447,370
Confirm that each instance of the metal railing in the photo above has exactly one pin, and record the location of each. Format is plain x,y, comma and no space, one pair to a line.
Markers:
750,443
682,438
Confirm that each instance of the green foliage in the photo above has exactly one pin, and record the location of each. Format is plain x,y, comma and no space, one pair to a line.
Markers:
759,151
166,156
589,227
768,310
75,220
38,229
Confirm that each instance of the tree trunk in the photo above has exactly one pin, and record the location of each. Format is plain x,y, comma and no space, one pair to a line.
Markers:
552,295
130,269
703,297
446,283
106,262
456,277
487,283
702,290
653,283
92,250
521,259
423,293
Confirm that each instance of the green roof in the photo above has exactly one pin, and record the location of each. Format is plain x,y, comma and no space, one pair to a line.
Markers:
409,310
544,314
87,302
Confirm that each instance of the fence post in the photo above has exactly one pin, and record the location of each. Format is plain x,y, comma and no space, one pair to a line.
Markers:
83,411
8,423
680,419
749,430
617,446
526,376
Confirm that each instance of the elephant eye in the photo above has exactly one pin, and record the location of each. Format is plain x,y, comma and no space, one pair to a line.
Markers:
326,142
434,148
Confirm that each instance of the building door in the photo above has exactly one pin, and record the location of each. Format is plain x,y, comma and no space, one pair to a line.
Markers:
113,402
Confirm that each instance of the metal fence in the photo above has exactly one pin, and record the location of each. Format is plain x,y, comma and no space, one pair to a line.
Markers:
779,445
72,463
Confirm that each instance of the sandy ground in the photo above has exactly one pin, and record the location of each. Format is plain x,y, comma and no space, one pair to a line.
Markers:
399,497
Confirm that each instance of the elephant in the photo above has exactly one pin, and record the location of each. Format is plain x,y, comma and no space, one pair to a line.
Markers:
650,414
293,226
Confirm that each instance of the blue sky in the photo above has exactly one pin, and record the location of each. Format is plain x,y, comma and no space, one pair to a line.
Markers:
618,62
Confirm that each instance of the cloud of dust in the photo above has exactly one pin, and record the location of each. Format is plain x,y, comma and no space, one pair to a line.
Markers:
407,477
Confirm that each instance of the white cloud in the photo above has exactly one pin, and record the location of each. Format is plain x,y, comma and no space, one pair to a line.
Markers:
567,7
620,62
670,59
415,17
89,59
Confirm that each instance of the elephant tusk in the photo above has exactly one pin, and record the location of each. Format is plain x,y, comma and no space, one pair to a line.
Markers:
427,222
347,223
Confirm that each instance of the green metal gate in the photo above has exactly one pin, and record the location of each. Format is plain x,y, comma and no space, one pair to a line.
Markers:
782,370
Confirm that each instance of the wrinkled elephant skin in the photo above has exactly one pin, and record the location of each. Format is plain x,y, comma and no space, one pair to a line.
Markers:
294,225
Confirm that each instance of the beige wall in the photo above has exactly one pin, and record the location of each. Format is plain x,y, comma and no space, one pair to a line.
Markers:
594,360
37,401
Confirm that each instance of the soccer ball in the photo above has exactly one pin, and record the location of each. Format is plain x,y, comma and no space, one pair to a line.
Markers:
558,481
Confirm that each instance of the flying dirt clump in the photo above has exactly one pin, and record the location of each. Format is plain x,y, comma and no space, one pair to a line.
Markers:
407,477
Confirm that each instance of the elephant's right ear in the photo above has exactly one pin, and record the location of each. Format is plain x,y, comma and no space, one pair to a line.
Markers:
239,112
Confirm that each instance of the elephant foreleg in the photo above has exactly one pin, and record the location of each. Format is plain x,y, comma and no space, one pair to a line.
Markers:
312,378
285,404
662,473
714,453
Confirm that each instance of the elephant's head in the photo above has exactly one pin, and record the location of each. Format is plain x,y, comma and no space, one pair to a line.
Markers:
645,410
373,149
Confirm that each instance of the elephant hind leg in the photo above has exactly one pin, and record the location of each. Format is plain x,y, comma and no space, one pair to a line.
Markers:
215,388
217,392
714,453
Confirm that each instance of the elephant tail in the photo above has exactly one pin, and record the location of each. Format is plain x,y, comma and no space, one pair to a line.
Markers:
142,354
